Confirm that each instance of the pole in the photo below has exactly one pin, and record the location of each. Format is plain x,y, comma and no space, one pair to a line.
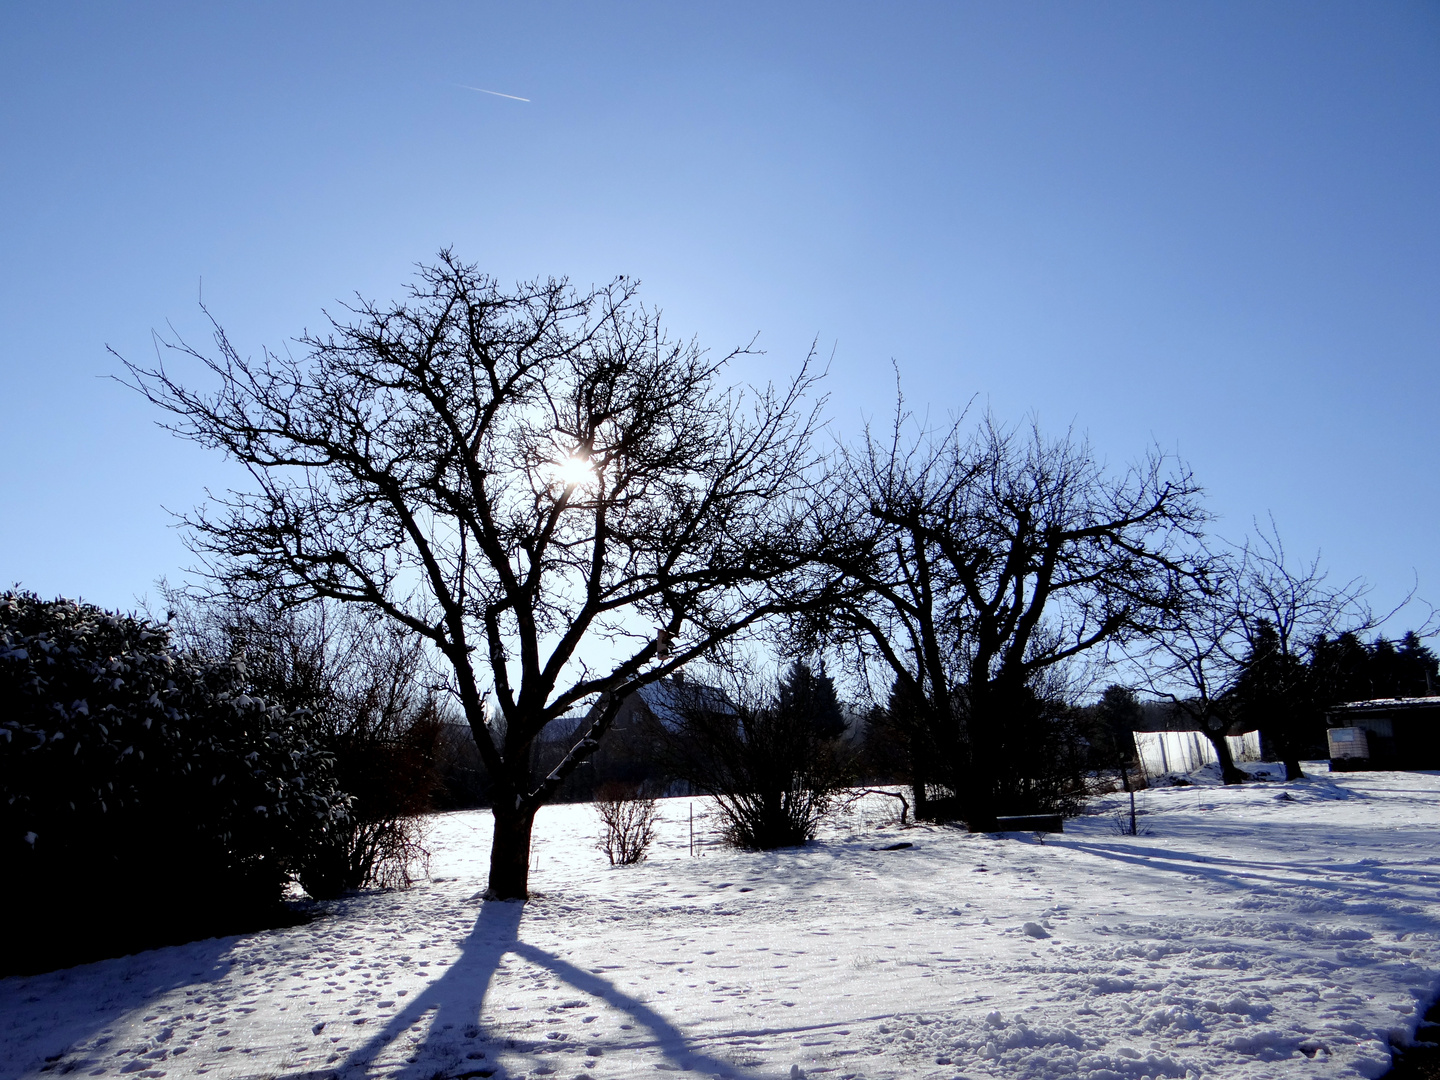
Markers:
692,828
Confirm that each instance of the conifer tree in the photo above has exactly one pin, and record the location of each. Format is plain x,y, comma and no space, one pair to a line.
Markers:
810,694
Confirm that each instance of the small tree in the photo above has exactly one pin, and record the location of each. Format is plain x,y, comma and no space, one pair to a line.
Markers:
1192,658
1265,642
627,821
896,747
1285,611
1117,714
810,694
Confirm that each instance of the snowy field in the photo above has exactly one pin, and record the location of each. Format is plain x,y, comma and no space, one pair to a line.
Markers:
1274,930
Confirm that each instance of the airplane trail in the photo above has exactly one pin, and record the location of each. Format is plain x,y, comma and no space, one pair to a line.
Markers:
480,90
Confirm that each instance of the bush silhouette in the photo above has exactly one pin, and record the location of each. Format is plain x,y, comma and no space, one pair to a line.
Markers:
144,795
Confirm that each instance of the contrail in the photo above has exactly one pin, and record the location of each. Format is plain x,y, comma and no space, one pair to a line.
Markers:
497,93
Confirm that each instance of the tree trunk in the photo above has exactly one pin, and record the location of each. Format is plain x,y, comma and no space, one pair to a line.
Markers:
979,820
922,799
510,854
982,727
919,776
980,813
1231,773
978,802
1286,747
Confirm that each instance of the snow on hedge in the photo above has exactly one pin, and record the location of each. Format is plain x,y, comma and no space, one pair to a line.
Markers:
1271,930
112,744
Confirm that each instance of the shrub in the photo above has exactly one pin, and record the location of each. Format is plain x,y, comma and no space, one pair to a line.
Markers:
388,774
627,821
360,687
1041,756
125,764
773,777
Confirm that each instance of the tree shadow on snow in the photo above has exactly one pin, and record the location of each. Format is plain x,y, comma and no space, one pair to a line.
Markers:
456,1039
55,1015
1348,882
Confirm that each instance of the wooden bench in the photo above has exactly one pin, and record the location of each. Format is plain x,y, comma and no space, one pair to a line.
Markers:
1030,823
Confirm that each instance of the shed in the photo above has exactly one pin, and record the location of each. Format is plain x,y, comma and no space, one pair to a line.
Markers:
1385,733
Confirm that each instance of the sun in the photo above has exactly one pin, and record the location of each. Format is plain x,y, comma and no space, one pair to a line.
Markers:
576,471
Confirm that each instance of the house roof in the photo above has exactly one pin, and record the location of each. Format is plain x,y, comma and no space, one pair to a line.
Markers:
668,700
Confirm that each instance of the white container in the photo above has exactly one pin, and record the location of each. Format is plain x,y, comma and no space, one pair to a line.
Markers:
1348,744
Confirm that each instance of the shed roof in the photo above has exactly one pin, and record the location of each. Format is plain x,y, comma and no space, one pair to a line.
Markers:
1388,703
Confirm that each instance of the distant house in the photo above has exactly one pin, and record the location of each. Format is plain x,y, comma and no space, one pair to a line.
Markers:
666,702
1385,733
631,751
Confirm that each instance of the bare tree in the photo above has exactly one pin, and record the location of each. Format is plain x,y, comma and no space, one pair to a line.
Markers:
1283,610
532,481
1242,645
981,564
1193,658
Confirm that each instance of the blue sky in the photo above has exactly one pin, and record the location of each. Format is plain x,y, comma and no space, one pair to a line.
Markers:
1211,226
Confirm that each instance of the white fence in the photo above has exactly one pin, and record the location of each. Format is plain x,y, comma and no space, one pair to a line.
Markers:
1162,752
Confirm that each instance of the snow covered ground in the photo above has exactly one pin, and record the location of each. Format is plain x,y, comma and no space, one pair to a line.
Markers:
1274,930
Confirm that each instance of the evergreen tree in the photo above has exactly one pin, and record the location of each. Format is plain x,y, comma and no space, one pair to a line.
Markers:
1343,669
1346,669
1386,673
1117,715
810,695
903,737
1418,671
1275,693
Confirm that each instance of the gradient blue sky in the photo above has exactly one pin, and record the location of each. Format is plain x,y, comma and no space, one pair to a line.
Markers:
1212,226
